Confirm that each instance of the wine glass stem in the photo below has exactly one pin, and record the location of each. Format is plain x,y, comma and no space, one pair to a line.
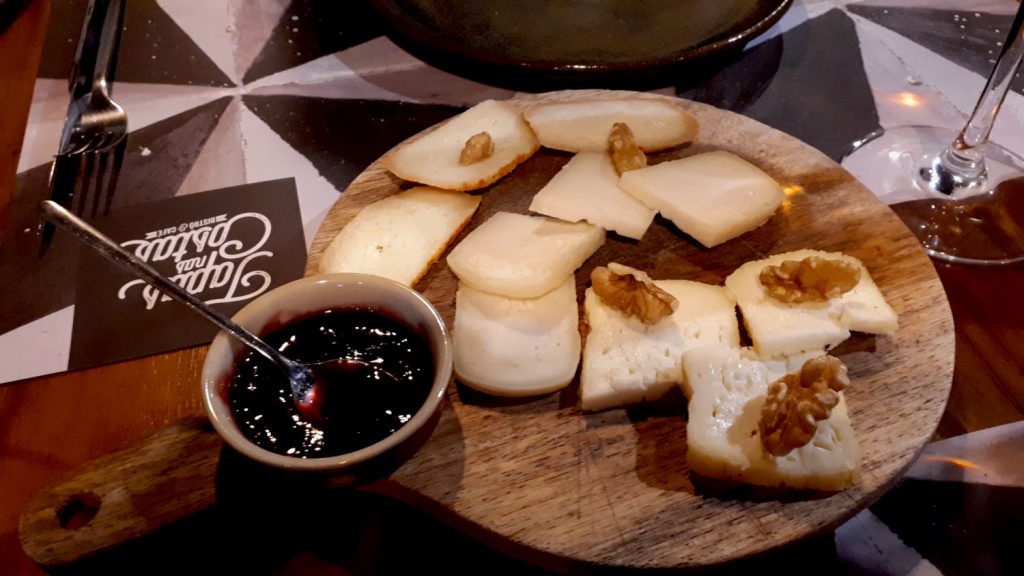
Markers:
966,155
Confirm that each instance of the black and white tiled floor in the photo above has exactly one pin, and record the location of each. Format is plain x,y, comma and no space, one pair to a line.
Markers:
226,92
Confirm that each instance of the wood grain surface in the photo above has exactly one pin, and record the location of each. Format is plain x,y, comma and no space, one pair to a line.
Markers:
613,488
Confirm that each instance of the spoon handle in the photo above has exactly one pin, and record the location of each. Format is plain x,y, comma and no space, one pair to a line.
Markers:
115,253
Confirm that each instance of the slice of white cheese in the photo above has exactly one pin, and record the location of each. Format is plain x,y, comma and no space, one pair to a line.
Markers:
522,256
434,158
516,347
727,389
626,361
400,236
713,197
584,125
778,328
587,188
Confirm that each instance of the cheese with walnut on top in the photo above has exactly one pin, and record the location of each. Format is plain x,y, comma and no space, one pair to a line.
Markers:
626,361
727,388
438,159
781,329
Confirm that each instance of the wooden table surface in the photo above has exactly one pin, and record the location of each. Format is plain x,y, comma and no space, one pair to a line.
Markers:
53,424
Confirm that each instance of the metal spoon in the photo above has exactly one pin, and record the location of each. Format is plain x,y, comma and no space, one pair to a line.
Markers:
306,380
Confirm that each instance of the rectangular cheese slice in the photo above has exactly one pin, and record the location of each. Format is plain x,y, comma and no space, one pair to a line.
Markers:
516,347
713,197
400,236
626,361
587,188
584,125
521,256
778,328
727,389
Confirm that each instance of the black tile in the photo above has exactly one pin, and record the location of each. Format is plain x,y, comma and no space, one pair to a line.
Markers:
342,137
809,82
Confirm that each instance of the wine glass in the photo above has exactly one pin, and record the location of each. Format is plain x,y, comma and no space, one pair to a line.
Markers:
960,194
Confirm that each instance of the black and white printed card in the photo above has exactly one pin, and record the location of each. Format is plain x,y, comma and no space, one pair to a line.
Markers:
225,247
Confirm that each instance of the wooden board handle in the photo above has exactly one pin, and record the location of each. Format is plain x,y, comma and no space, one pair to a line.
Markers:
125,495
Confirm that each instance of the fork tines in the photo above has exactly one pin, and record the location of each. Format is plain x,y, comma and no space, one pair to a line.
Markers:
85,183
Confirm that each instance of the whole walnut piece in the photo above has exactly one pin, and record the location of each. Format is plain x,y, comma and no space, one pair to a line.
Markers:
626,155
633,296
795,403
478,147
813,279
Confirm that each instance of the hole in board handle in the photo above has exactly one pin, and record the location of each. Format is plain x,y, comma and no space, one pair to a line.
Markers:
78,510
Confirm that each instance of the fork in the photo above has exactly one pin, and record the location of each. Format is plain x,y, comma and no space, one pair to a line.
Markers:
94,121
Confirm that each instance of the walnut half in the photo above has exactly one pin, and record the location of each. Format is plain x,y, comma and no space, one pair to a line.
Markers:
631,294
478,147
626,155
813,279
795,403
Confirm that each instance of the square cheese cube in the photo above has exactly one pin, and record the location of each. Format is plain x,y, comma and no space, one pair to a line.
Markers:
713,197
626,361
727,389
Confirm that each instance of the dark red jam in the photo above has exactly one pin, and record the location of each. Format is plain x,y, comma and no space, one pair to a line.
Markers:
358,406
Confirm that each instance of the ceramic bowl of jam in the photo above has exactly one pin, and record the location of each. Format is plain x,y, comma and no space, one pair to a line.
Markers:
385,325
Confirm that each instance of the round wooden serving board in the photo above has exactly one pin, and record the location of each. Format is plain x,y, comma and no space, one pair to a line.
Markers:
613,487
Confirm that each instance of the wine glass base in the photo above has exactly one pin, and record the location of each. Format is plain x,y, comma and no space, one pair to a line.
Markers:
973,221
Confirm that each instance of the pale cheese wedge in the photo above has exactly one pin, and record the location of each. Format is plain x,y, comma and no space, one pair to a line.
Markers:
516,347
626,361
400,236
778,328
434,158
713,197
587,188
521,256
584,125
727,389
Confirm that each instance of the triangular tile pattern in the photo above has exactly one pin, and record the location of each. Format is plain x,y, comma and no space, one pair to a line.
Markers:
221,163
211,26
160,156
254,23
310,29
144,103
342,137
971,39
153,48
269,157
771,83
376,70
34,359
157,160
